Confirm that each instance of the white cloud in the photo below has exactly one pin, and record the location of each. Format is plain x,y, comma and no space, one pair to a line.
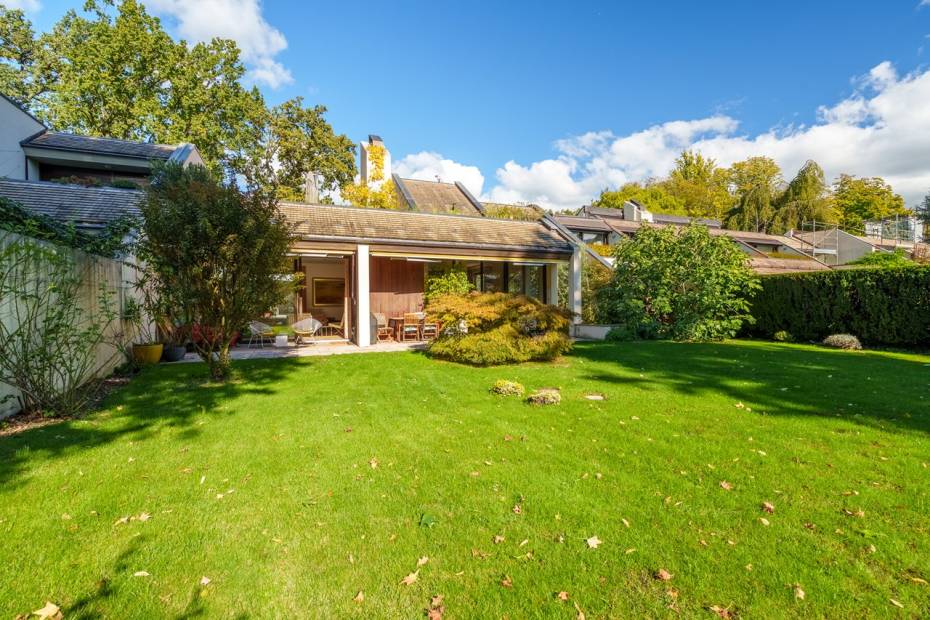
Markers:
239,20
29,6
881,129
428,166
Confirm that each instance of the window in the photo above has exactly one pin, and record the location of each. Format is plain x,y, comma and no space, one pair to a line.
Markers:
493,277
536,282
515,279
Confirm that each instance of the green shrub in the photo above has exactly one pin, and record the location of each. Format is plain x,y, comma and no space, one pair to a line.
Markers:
683,284
896,258
881,306
782,336
486,329
452,282
508,388
842,341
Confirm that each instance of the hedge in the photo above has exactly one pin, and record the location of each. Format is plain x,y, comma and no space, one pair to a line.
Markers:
888,306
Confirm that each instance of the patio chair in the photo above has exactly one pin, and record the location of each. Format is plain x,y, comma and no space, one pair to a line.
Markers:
334,329
385,333
429,330
304,330
259,331
410,329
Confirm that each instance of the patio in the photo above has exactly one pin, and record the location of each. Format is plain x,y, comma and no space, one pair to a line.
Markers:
243,352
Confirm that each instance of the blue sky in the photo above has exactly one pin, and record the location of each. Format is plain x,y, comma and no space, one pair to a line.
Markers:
569,92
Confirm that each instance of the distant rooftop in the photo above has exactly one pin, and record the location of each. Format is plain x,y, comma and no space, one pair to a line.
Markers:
437,197
85,207
99,146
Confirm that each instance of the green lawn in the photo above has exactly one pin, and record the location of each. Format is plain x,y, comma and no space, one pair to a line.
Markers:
268,487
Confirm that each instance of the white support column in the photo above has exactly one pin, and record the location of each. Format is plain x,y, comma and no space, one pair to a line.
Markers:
363,328
552,287
574,287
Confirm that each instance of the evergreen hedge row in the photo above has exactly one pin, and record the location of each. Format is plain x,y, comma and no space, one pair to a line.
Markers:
888,306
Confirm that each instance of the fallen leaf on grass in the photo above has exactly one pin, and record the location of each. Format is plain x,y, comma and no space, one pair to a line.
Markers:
593,542
726,485
625,522
409,579
768,507
517,509
498,539
764,521
580,615
205,581
918,580
507,582
562,596
373,462
799,592
51,611
422,561
436,608
663,575
896,603
359,597
144,516
722,612
140,573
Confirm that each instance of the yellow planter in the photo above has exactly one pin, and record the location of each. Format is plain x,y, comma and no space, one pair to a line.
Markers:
147,353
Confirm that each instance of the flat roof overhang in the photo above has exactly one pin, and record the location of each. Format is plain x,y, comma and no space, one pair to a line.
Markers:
437,250
83,159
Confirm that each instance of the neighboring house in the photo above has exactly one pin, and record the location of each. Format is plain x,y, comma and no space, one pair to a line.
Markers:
30,151
768,253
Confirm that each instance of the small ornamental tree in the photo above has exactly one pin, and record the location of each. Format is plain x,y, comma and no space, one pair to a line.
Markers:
676,283
218,256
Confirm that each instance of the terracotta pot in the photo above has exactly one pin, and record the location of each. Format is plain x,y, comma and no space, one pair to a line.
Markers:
147,353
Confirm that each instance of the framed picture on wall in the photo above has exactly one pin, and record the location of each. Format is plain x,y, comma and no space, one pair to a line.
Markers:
328,291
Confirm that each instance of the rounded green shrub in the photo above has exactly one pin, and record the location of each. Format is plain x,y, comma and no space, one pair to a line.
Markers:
843,341
487,329
508,388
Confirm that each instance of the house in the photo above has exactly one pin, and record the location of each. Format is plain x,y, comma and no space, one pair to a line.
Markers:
29,151
767,253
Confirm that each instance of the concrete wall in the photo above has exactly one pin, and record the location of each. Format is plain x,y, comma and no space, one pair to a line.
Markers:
15,126
118,276
588,331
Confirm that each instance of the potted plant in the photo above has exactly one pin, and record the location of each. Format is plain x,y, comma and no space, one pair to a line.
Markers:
145,347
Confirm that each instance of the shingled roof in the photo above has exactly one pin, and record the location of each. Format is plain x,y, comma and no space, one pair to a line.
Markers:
85,207
337,223
436,197
99,146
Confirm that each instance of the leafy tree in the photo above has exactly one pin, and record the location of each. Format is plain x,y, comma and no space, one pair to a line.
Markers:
378,193
756,184
700,185
20,79
806,198
680,283
652,195
301,141
861,199
218,256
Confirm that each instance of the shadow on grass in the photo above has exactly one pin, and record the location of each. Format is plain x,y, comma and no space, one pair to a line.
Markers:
166,396
871,388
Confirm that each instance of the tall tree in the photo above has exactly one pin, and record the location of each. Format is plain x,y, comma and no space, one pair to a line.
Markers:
301,142
756,184
113,71
923,213
216,255
19,59
805,199
701,185
862,199
651,195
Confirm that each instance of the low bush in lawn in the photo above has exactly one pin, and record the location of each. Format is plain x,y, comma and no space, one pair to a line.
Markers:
486,329
882,306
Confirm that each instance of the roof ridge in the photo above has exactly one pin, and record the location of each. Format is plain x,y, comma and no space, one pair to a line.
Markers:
78,135
400,212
